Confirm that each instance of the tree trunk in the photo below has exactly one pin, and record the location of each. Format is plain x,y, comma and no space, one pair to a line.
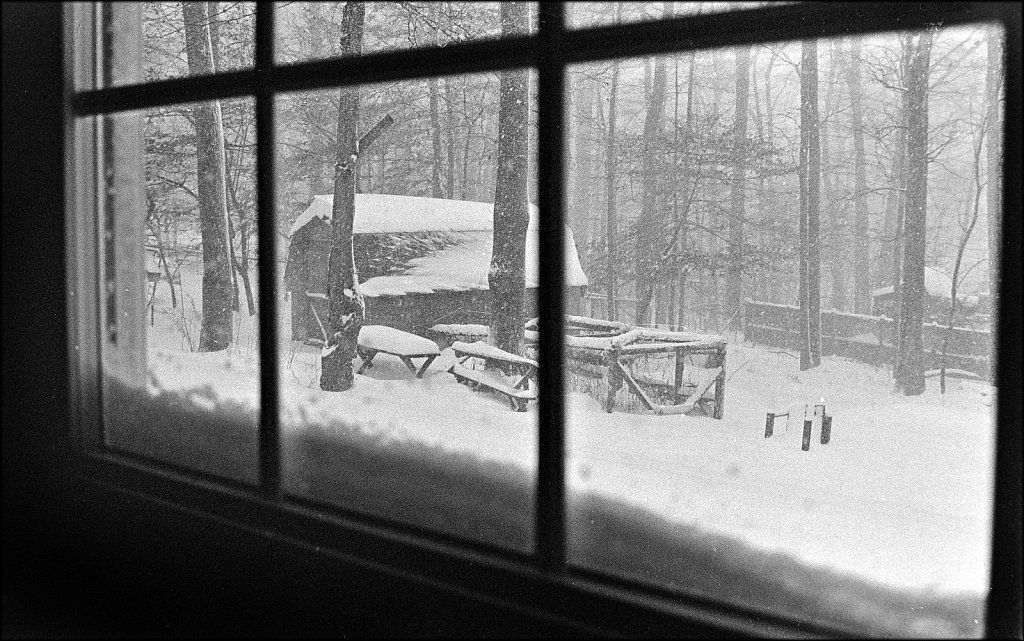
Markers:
344,300
909,372
684,216
837,242
892,229
450,135
673,284
466,195
506,277
972,220
235,267
243,269
215,332
810,194
737,212
611,222
994,158
767,197
157,231
435,137
213,19
861,243
648,236
581,204
213,12
901,200
241,266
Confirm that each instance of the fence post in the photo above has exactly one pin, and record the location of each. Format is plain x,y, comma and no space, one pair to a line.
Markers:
614,379
680,362
720,389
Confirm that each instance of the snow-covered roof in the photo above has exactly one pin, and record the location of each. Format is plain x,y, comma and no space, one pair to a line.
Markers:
386,213
460,266
936,283
465,264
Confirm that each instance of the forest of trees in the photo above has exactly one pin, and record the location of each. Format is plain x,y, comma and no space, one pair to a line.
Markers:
809,174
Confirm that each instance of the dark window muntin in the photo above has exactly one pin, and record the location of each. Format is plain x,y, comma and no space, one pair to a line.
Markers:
473,567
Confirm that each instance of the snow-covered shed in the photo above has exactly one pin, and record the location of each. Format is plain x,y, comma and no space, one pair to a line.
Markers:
420,261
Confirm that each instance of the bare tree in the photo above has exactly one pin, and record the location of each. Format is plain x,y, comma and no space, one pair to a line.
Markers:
648,226
450,137
611,220
810,194
506,277
836,242
435,137
215,333
345,302
861,246
737,210
967,223
890,254
583,154
681,217
909,371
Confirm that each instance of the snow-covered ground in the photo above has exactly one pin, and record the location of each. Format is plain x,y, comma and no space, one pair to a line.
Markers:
900,496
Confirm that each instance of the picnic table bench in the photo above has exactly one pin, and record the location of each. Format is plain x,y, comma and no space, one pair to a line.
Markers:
374,339
496,361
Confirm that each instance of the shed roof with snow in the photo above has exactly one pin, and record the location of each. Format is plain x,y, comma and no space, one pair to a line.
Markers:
459,261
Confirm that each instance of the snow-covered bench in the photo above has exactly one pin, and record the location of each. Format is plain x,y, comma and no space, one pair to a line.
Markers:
374,339
494,359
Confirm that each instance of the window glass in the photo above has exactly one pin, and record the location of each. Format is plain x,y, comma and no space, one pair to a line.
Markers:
312,30
432,419
596,14
852,485
179,290
164,34
780,286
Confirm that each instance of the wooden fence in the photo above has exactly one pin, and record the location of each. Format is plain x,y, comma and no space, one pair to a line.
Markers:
869,339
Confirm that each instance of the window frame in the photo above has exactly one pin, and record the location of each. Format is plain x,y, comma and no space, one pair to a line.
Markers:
542,583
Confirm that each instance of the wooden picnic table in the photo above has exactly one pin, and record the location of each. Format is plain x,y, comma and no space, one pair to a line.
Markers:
495,362
608,357
374,339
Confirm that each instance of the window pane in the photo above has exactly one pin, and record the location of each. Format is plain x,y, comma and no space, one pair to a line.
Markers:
179,282
686,188
407,440
169,37
596,14
312,30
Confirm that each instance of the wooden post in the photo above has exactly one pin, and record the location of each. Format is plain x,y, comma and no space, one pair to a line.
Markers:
680,362
769,425
808,422
720,388
614,380
826,429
